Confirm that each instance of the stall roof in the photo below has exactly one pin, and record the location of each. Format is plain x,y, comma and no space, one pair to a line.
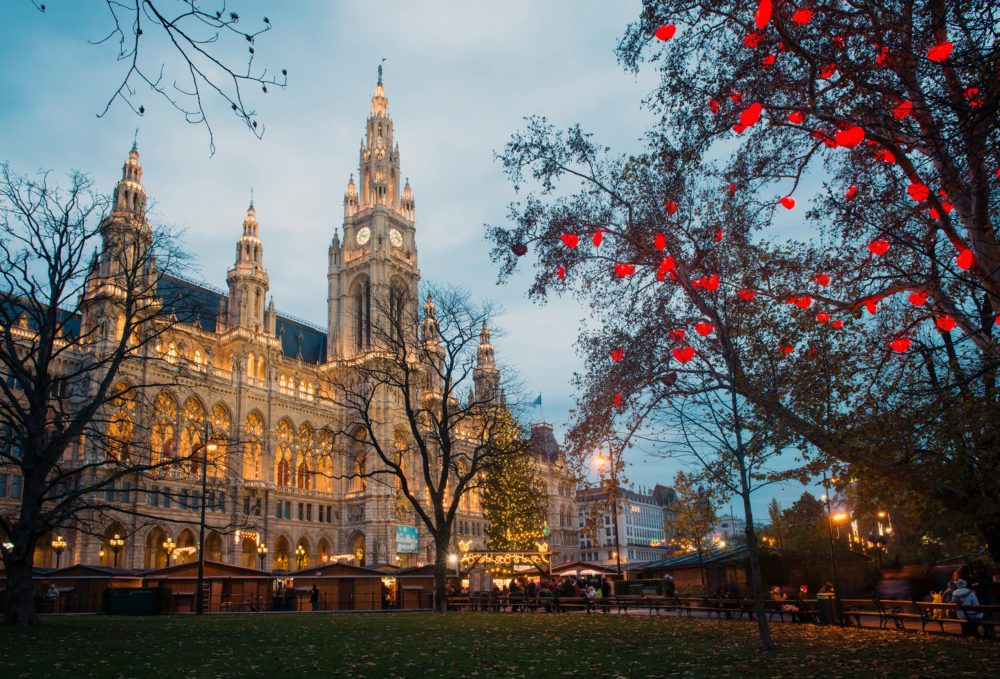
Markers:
690,559
584,567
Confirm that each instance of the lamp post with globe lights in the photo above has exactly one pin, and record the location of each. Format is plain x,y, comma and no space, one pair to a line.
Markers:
168,547
262,555
116,543
603,462
300,556
58,546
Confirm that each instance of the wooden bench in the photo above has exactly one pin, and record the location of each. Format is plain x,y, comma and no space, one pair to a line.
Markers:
989,621
860,608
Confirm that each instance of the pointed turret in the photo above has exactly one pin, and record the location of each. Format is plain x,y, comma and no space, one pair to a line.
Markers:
248,281
130,195
429,326
350,198
486,375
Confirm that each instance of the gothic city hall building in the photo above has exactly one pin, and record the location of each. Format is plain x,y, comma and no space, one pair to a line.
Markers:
284,488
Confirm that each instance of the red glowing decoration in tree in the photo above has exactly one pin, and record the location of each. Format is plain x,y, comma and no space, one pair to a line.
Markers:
519,249
879,247
851,193
918,298
940,52
670,207
704,329
901,344
598,237
617,354
946,323
965,259
683,354
788,202
751,115
624,270
795,117
763,15
803,16
850,137
660,241
570,239
823,280
747,294
918,192
666,32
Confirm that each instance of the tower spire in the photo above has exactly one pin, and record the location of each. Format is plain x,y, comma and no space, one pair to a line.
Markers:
130,195
248,281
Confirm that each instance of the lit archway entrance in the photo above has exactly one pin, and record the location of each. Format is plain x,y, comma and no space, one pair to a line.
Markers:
186,550
357,548
213,547
281,551
323,551
155,555
248,554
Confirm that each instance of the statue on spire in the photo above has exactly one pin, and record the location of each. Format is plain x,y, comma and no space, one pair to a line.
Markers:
380,71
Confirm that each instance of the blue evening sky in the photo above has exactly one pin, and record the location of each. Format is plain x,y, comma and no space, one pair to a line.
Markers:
459,75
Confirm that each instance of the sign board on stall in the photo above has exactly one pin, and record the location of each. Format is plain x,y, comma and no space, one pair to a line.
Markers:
406,539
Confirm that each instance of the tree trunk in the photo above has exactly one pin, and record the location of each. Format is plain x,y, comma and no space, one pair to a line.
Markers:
440,574
19,603
767,642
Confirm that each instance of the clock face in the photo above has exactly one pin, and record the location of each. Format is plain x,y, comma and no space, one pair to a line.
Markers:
364,233
396,238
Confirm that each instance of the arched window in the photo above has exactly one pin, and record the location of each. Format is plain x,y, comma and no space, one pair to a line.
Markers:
252,449
362,315
302,476
397,300
359,469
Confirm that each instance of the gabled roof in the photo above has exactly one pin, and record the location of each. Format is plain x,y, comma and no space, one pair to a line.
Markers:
719,555
81,569
331,569
573,566
178,568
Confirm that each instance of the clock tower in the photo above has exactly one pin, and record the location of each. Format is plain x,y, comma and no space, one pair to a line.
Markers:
377,258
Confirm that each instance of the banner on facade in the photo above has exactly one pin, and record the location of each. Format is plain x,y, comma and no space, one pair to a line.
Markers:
406,539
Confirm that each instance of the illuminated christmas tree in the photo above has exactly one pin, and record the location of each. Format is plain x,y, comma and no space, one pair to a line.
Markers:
513,495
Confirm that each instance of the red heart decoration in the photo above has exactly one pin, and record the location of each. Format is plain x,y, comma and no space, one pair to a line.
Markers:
828,71
850,137
872,307
901,344
885,156
666,32
768,60
704,329
561,272
918,298
719,234
519,249
676,335
803,16
570,239
839,42
851,193
788,202
711,283
751,115
795,117
736,96
763,15
624,270
935,214
823,280
617,354
738,129
965,260
787,350
838,324
732,186
804,302
918,192
939,52
684,354
618,400
903,110
660,275
670,207
946,323
752,40
713,105
660,241
668,264
822,317
696,283
879,247
747,294
598,237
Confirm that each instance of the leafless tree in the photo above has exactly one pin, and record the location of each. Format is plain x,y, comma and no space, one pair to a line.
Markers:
82,310
187,64
421,409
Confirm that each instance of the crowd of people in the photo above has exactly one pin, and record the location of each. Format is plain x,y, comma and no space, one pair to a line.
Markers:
524,594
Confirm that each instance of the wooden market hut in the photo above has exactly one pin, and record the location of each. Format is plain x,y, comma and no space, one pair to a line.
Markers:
414,587
81,587
228,587
726,567
342,587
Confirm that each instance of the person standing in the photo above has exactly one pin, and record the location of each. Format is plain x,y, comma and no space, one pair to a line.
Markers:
314,597
669,588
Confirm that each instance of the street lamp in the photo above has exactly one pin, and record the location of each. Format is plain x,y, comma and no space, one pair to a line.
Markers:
833,554
453,560
58,545
209,447
116,546
262,554
300,555
168,547
600,460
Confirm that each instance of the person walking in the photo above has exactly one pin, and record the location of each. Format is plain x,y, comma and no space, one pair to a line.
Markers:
669,588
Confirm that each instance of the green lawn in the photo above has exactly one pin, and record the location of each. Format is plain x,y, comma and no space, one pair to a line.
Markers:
472,645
